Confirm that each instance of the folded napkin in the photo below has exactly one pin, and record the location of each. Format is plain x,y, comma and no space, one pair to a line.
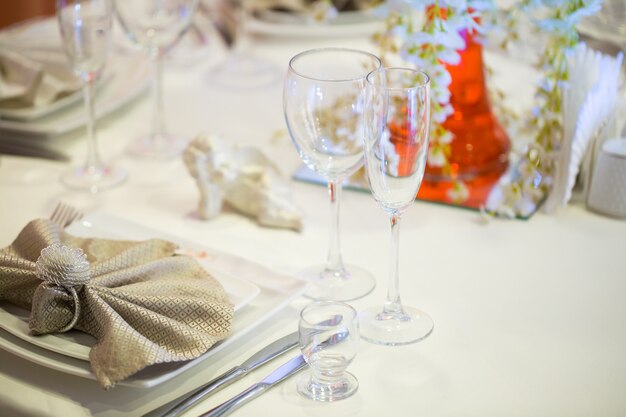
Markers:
142,303
33,74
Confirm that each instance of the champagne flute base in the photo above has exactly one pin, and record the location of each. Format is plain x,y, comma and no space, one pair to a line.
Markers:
327,391
328,285
94,179
392,329
161,147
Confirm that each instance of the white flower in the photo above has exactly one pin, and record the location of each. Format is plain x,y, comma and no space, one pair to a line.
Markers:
441,77
455,4
450,57
436,157
445,138
450,38
458,193
391,157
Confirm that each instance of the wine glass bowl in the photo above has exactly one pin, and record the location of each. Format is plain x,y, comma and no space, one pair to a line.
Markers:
328,338
324,90
323,103
155,26
396,147
85,27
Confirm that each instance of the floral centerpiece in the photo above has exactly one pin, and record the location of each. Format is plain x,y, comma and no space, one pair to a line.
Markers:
429,34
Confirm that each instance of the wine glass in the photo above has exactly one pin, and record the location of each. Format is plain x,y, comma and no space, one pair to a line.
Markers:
323,102
396,145
85,27
329,340
156,25
242,68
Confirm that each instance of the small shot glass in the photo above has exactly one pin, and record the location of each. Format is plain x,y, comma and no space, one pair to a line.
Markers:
329,340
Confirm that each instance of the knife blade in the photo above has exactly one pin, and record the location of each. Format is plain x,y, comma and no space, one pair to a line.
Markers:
283,372
263,356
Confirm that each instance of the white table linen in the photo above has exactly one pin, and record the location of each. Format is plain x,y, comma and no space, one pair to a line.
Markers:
530,318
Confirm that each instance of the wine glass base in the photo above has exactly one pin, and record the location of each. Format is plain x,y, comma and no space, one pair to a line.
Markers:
336,390
326,285
94,179
163,147
409,326
245,71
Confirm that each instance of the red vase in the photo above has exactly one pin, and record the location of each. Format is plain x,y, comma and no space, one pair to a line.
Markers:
480,148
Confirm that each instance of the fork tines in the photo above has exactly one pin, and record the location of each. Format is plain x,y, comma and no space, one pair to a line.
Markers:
65,214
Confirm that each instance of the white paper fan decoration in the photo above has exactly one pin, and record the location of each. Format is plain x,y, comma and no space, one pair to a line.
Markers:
588,104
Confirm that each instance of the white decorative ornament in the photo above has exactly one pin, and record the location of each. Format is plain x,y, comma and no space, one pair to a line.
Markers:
244,178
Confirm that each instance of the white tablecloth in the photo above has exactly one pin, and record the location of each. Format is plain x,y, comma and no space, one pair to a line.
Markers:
530,318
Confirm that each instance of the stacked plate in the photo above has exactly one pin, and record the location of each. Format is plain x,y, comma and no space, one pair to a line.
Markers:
257,293
36,131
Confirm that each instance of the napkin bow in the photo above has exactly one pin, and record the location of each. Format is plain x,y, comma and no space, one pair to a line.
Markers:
144,304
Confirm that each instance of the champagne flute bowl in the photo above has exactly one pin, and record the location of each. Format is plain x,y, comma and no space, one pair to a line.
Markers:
323,103
396,145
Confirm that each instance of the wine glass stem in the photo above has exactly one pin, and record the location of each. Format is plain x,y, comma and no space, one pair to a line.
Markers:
242,42
334,263
93,162
393,305
158,123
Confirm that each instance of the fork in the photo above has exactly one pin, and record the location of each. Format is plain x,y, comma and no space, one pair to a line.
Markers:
65,214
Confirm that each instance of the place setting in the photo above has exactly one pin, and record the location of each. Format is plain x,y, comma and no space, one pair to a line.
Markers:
201,298
86,296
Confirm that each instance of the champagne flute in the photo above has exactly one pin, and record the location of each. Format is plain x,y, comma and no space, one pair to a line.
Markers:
323,102
156,25
396,145
85,27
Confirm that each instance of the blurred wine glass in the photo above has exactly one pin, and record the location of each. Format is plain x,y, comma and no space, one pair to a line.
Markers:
156,25
85,27
242,66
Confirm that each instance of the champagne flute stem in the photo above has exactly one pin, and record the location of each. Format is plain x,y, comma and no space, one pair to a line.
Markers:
393,305
334,263
158,123
93,163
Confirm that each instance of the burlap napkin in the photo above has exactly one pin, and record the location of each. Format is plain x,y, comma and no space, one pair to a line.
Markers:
142,303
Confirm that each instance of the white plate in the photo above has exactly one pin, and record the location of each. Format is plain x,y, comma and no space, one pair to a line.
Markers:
275,292
130,76
284,24
31,113
76,344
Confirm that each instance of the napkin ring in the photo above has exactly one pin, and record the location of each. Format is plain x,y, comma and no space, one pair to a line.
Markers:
64,267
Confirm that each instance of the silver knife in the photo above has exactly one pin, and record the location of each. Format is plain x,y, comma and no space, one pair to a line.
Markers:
280,374
263,356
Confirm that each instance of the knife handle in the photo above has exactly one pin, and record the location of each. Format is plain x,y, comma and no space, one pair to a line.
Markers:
237,401
225,379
